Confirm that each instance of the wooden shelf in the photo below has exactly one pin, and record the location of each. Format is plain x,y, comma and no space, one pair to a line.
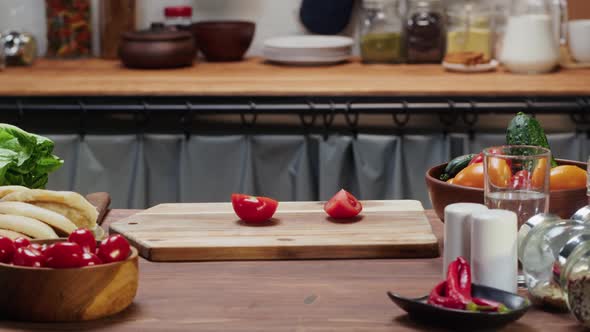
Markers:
254,77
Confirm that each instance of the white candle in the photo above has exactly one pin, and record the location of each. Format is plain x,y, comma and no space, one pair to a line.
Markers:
457,232
494,248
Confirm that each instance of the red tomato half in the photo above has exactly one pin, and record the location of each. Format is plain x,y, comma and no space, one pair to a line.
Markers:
343,205
253,209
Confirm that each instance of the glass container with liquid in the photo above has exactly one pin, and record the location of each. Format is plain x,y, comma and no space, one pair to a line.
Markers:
425,32
540,241
470,28
381,32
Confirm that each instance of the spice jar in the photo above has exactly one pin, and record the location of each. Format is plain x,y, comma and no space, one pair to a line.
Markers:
540,240
425,32
470,28
573,272
381,32
179,17
68,28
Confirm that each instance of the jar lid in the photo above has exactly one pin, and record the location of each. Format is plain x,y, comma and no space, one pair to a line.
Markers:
566,251
157,32
582,214
532,222
373,4
178,11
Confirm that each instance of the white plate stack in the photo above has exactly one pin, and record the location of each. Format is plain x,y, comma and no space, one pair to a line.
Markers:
308,50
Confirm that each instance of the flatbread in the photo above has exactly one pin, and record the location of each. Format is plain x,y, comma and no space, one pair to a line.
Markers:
28,226
67,203
12,234
5,190
61,224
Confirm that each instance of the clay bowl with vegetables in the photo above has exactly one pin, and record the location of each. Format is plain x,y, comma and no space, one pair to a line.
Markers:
45,281
562,202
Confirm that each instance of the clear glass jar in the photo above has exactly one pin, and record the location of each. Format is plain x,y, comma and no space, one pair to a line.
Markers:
540,240
425,32
470,28
381,32
573,273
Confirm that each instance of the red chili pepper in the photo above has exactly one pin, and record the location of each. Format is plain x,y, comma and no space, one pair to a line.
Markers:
477,159
439,297
459,281
478,304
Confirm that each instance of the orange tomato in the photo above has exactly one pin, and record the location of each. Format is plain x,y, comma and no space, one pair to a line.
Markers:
567,177
470,176
499,172
538,178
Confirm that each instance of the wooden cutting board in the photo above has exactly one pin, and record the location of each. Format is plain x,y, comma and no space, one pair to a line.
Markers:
299,230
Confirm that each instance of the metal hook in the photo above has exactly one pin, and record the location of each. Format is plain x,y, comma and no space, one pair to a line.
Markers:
20,113
470,118
329,119
530,107
142,118
83,116
401,122
252,122
353,123
449,118
186,120
306,124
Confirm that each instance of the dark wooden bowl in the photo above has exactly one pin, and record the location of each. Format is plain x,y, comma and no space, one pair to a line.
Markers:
224,40
78,294
561,202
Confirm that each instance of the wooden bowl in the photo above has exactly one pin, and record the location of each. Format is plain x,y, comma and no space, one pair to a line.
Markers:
561,202
52,295
224,40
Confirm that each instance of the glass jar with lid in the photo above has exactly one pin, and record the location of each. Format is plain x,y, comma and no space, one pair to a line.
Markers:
381,32
470,28
572,271
540,240
425,31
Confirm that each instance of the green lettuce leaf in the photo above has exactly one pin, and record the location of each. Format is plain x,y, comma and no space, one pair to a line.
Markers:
25,159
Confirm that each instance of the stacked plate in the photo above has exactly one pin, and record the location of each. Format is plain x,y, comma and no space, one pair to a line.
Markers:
308,50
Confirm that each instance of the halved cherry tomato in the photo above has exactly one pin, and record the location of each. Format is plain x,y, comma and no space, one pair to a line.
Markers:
6,249
343,205
89,259
21,242
567,177
470,176
113,249
27,256
521,180
84,238
63,255
253,209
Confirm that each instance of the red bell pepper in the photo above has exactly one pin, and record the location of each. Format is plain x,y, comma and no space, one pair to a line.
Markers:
477,159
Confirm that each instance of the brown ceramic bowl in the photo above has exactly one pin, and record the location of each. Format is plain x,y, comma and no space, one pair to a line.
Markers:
77,294
224,40
561,202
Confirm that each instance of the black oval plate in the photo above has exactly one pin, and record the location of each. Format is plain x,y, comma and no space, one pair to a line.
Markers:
420,310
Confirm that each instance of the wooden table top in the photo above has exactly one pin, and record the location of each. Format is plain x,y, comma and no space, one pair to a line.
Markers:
254,77
318,295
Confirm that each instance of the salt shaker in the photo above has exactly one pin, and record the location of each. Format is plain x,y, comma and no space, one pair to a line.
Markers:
494,248
457,232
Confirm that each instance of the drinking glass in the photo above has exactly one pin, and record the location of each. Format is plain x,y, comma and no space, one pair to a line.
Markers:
516,178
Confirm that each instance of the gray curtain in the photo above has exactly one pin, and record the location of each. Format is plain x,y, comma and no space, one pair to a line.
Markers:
143,170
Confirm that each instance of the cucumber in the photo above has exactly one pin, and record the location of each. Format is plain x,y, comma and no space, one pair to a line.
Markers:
455,166
525,130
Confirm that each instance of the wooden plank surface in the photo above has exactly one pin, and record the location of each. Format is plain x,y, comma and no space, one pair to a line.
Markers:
298,230
272,296
254,77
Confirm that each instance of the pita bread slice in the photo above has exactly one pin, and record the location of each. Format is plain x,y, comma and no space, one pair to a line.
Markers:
12,234
61,224
28,226
67,203
5,190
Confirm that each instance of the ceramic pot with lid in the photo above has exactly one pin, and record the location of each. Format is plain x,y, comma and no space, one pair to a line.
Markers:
157,48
